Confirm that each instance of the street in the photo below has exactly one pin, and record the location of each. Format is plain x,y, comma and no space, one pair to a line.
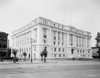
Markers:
62,69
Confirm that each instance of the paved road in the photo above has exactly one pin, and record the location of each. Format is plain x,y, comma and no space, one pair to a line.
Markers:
79,71
70,69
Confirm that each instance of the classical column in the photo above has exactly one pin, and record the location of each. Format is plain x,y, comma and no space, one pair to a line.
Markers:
74,40
50,37
39,35
65,39
90,43
68,40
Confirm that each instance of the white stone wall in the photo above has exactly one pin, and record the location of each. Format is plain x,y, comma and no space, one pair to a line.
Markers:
59,39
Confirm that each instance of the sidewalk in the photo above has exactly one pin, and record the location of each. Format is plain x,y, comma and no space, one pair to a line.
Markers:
49,63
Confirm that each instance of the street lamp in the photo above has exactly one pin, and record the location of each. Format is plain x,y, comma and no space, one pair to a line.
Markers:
1,55
31,48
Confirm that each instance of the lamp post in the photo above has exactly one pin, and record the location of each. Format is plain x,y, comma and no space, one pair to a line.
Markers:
31,48
1,55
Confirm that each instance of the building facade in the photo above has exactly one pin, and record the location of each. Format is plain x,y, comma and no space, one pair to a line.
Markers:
3,44
61,41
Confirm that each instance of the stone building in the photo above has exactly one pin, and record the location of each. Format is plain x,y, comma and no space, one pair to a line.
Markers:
3,44
62,41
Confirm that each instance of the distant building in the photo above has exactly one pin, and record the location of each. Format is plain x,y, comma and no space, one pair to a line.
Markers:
3,44
94,52
61,41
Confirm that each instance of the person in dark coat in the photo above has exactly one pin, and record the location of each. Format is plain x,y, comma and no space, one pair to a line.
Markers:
44,54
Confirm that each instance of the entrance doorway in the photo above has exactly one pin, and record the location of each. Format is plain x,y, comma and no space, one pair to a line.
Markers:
72,51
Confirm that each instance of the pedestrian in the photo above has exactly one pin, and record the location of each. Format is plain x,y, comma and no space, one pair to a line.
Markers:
41,54
44,54
73,57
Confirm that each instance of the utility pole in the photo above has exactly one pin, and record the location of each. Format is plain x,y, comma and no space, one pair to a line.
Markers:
31,49
1,55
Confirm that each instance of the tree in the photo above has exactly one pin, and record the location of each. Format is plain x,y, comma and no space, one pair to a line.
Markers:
44,54
25,54
14,51
9,53
97,39
98,43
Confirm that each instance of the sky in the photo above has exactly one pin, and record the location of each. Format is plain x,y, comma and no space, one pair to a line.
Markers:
82,14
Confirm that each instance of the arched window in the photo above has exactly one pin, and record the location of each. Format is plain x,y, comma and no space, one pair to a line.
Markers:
4,45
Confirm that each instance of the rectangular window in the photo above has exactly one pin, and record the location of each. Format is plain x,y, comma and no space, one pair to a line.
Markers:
71,39
54,49
58,38
34,48
58,35
44,30
58,43
77,51
54,25
54,38
63,49
63,55
54,42
55,55
44,36
83,51
59,55
88,51
83,55
44,41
